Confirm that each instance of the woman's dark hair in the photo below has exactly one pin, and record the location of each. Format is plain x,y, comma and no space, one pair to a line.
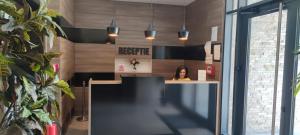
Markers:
178,72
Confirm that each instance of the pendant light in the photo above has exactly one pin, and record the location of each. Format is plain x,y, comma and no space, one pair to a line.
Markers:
113,30
183,34
150,33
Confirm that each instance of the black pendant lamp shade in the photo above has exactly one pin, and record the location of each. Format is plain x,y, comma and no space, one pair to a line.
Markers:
150,33
183,34
113,30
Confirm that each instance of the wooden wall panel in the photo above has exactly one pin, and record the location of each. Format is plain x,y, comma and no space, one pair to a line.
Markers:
201,16
218,70
132,18
67,58
65,8
93,13
54,4
94,58
194,66
165,68
79,101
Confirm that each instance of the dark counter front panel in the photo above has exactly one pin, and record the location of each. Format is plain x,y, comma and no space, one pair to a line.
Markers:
196,102
128,108
148,106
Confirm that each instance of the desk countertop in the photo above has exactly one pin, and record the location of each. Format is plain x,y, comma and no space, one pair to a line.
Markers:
166,82
188,82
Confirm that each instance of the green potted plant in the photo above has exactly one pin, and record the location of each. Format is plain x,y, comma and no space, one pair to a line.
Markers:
28,83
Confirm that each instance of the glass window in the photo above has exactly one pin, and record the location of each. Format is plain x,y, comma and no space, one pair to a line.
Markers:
231,5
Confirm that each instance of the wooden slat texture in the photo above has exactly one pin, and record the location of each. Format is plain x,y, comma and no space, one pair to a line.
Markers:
132,18
54,4
67,58
201,16
93,13
218,70
65,8
165,68
94,58
78,101
194,66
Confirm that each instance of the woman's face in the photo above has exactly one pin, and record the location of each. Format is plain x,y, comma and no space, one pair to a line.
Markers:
182,74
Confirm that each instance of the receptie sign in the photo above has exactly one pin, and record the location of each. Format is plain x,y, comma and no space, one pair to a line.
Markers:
133,51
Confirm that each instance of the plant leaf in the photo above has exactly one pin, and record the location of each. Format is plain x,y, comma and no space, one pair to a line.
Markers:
50,92
40,103
32,124
4,69
37,57
18,91
55,106
65,88
297,89
21,72
26,36
49,71
52,13
9,26
36,67
49,19
50,55
25,112
27,10
9,8
30,88
42,7
42,115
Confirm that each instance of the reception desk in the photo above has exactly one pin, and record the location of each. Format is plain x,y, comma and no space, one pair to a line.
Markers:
152,106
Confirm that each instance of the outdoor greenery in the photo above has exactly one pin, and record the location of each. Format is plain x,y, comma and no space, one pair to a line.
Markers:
297,88
28,83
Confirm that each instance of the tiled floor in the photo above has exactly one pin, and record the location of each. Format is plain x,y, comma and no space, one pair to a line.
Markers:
77,128
80,128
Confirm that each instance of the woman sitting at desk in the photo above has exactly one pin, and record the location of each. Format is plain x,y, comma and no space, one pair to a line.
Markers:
182,73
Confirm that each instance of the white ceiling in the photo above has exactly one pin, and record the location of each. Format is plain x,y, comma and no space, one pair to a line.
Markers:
167,2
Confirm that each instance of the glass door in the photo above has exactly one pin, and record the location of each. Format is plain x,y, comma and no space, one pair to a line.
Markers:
264,46
260,74
260,59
